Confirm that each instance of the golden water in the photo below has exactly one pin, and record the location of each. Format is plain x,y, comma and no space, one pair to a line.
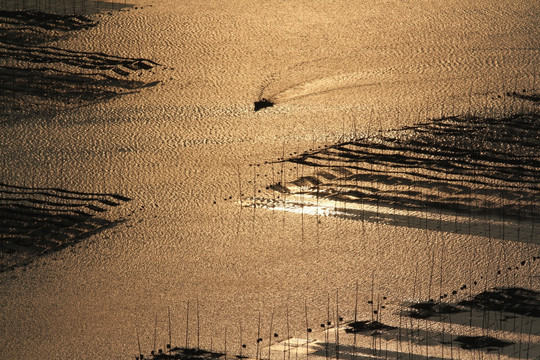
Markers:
180,150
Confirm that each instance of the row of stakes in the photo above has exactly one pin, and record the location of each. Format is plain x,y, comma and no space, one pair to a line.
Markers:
376,311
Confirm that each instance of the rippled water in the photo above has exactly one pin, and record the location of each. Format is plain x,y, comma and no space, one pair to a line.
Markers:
183,152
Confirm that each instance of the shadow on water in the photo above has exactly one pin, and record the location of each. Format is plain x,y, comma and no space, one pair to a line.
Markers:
512,301
465,174
457,328
517,301
66,7
493,323
533,97
33,74
415,339
36,221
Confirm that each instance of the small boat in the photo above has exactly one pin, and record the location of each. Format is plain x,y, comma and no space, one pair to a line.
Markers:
263,103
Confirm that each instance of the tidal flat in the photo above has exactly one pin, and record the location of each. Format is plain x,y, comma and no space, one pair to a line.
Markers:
228,179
